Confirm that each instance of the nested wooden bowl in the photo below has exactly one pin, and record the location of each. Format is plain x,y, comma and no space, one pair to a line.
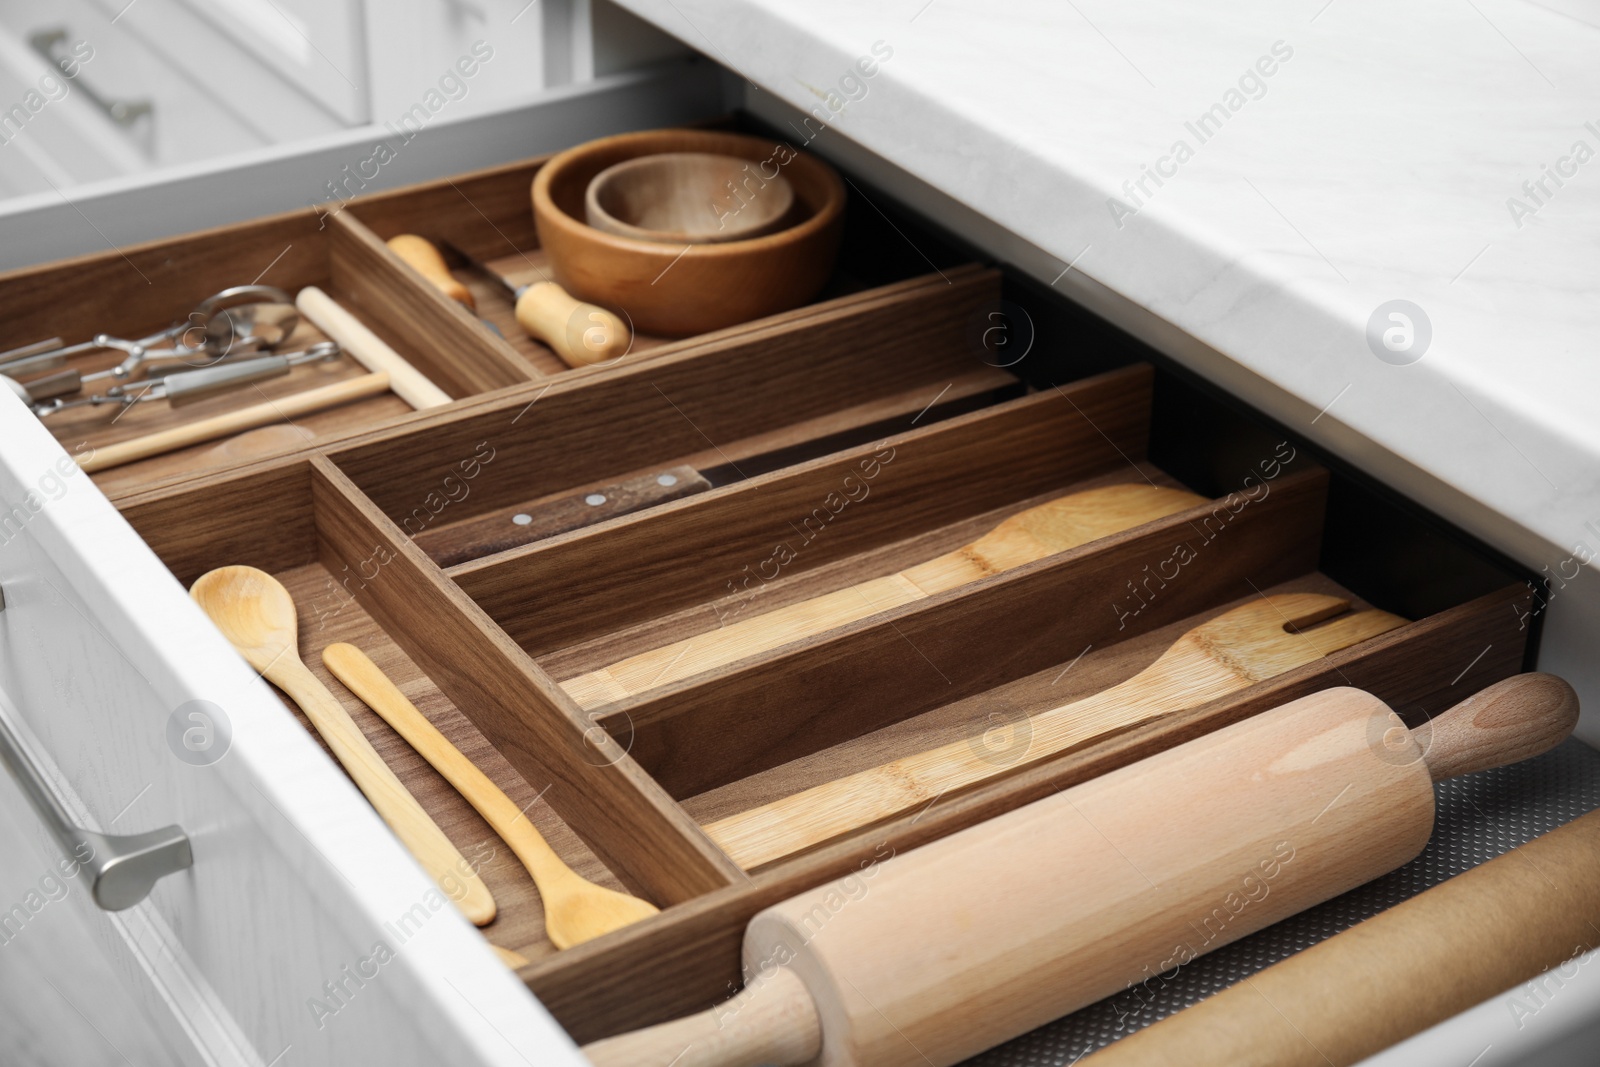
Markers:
674,290
688,197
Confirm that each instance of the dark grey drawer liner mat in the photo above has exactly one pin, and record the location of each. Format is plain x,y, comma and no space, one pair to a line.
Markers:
1479,817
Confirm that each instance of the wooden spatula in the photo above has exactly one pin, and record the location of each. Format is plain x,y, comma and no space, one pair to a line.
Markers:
575,909
1249,644
1063,523
256,613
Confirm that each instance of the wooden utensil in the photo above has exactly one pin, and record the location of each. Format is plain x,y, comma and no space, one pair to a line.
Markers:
368,349
263,441
582,334
232,422
1481,933
677,290
510,958
257,615
687,198
575,909
1249,644
1063,523
425,259
933,956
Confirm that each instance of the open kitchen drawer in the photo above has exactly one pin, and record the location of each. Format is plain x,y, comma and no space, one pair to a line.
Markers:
478,553
133,292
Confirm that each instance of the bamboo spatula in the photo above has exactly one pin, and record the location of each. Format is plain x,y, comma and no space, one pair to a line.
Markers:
575,909
256,614
1063,523
1249,644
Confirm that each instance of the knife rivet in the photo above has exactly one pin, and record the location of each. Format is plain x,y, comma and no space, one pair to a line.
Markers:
594,500
666,479
522,520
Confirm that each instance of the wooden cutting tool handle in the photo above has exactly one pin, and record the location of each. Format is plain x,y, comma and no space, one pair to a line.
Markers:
581,334
420,254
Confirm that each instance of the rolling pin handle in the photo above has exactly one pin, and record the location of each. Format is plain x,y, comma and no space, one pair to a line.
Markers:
772,1021
1513,720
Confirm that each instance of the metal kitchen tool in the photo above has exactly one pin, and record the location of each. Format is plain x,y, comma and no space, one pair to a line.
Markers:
239,320
49,344
177,387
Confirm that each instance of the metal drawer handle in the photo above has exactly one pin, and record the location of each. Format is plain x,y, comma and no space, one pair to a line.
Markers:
121,869
122,112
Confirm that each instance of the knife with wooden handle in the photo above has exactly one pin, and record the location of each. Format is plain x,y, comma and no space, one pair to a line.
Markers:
533,520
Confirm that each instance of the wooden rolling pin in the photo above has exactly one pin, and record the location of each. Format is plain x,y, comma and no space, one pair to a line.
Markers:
368,349
1249,644
1056,526
232,422
931,957
1500,924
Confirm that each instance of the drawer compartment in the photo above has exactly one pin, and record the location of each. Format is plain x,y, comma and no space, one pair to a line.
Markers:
134,292
643,782
522,560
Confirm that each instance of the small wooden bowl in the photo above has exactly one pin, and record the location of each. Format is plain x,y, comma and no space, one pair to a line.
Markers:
687,198
673,290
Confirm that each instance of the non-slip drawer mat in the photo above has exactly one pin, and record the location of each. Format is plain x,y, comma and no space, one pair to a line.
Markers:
1479,817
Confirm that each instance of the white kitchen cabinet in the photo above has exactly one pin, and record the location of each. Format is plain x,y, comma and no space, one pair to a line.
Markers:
294,878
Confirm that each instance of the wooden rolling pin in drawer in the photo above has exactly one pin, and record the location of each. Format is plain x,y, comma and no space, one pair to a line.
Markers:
1508,921
931,957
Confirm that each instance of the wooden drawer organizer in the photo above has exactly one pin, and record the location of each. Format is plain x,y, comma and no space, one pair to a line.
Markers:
135,291
887,374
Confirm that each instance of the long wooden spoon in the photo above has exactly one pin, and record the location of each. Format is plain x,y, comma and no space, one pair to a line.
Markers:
1236,649
575,909
1063,523
256,613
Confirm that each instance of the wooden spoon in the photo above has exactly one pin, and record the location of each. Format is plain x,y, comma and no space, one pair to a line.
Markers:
575,909
1056,526
1236,649
257,615
258,443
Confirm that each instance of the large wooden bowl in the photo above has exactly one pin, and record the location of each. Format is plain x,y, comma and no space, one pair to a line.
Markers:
673,290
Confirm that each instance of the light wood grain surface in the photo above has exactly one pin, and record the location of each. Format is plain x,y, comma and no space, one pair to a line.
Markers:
1224,655
259,617
1029,535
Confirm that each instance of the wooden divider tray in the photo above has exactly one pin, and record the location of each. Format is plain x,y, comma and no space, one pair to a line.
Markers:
484,644
135,291
384,526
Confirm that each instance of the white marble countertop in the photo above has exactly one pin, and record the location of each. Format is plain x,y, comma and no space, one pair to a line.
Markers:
1358,154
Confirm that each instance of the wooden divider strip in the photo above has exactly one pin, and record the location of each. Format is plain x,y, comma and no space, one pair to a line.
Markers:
452,346
689,958
597,422
591,582
700,733
261,518
629,821
137,289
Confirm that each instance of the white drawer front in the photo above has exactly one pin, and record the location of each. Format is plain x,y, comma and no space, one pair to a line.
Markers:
266,950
